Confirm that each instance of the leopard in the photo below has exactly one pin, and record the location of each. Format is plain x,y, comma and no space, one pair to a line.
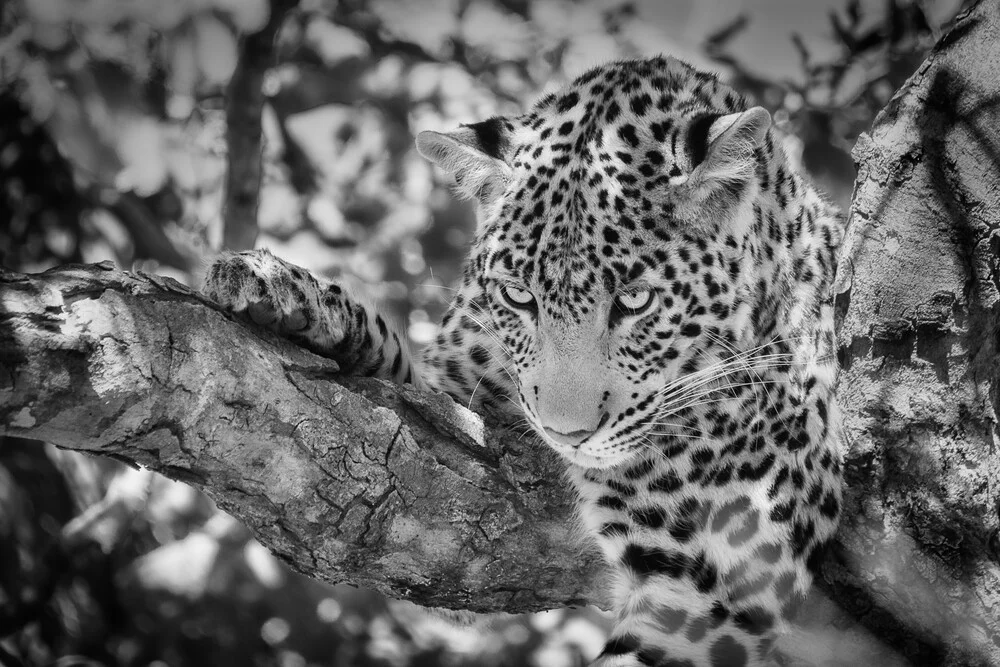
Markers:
650,289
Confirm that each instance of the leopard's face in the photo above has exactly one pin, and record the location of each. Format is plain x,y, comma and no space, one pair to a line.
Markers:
611,319
611,248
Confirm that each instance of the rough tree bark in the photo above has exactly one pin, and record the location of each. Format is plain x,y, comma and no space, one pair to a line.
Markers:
347,479
919,315
356,480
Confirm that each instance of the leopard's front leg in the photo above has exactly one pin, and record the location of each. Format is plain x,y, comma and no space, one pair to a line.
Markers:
318,315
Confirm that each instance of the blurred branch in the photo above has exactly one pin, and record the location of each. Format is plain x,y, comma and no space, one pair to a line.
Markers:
244,110
145,230
108,520
382,43
346,479
717,41
7,658
9,43
29,582
56,562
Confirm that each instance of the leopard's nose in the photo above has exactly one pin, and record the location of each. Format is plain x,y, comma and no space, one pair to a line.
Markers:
574,438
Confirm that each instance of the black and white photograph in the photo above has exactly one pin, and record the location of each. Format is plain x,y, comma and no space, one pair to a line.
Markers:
499,333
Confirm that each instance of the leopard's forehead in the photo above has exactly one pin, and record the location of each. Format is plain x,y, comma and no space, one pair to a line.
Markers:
635,116
589,206
646,91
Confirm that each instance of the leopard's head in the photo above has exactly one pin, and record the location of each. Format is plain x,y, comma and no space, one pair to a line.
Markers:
611,247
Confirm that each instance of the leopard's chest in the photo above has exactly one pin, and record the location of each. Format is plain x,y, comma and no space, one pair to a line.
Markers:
710,510
682,507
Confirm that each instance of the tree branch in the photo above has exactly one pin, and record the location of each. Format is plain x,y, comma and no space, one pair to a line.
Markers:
244,111
346,479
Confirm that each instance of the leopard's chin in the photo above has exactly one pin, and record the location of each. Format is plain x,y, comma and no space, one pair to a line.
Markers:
581,458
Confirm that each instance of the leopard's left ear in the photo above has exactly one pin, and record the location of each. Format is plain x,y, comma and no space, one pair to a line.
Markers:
476,154
722,147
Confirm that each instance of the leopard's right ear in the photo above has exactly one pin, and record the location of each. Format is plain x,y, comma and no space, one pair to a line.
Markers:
476,154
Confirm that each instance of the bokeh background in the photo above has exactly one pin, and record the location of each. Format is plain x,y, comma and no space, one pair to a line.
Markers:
119,123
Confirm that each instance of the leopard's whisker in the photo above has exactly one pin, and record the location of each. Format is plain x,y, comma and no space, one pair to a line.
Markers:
465,311
713,371
705,388
747,366
684,436
681,402
680,389
472,396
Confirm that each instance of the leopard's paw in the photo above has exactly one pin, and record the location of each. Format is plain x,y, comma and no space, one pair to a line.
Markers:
280,296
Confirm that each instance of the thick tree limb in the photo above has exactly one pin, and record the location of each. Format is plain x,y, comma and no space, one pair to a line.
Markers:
919,304
347,479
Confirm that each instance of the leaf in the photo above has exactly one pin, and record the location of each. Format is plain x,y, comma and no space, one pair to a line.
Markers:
141,150
182,73
334,43
249,16
503,35
50,36
215,50
162,16
48,11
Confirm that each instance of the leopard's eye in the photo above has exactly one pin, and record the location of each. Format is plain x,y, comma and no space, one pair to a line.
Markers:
636,301
517,297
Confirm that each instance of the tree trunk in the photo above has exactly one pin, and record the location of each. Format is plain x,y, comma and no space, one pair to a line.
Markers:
919,315
357,480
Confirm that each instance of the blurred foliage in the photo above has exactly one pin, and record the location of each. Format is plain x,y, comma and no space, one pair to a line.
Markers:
112,146
837,96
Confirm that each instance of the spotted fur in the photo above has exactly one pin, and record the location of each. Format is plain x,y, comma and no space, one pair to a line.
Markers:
650,286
